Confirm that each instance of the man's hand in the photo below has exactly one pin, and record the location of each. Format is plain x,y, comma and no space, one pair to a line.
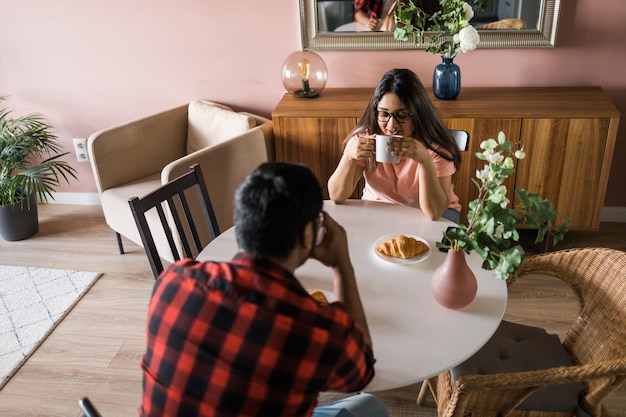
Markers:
373,22
333,251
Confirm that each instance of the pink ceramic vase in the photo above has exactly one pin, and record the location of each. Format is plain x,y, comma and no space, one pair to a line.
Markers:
454,284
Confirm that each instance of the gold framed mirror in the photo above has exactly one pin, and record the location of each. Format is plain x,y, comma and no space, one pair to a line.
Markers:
543,36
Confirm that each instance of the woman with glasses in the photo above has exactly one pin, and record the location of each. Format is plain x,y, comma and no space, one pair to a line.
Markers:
428,154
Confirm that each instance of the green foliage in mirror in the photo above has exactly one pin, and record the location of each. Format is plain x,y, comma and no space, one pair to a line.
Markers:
446,31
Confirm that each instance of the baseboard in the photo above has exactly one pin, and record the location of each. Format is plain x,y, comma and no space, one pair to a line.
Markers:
609,214
613,214
82,199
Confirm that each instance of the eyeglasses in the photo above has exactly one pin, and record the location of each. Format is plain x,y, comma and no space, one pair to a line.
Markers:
401,116
320,219
320,230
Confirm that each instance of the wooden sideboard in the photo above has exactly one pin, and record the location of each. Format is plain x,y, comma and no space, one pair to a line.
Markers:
568,134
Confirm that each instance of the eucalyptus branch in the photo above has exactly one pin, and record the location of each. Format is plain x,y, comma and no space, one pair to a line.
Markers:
491,228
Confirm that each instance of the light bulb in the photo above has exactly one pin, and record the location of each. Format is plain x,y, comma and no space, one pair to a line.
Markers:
305,69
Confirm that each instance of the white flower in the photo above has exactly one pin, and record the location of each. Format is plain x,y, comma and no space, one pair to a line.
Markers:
500,231
493,157
468,38
488,144
469,12
501,137
498,196
486,175
520,154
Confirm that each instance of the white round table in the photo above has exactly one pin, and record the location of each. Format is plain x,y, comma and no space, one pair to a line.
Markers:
414,337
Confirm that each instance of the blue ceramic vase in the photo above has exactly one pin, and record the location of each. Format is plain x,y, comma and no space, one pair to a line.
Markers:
447,80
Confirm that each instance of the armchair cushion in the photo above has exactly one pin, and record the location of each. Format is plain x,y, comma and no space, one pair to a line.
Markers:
113,201
211,123
518,348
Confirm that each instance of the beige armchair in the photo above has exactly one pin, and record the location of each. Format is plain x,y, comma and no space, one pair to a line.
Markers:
135,158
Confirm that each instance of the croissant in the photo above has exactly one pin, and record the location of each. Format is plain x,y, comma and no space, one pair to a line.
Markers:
402,247
319,297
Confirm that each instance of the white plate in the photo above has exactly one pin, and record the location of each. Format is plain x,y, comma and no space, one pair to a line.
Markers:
400,261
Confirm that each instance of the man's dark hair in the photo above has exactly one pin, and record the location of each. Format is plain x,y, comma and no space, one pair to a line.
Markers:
272,207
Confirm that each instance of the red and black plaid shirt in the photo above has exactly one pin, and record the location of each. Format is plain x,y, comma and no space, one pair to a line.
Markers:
370,7
245,339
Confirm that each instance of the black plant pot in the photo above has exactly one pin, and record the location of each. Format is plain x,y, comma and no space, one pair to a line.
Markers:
19,221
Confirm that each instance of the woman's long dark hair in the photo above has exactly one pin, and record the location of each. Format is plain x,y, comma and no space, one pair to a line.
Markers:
429,128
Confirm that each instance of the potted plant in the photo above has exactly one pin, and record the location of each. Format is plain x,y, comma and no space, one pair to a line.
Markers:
30,169
491,230
445,31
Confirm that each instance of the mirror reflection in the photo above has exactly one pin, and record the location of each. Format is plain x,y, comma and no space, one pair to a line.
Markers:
377,15
330,25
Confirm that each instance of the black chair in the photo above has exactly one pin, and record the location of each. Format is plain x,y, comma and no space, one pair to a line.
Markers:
180,217
88,409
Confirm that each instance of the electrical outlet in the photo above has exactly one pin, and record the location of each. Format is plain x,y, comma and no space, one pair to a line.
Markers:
80,147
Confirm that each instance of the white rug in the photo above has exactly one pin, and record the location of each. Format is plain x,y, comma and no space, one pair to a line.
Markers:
32,302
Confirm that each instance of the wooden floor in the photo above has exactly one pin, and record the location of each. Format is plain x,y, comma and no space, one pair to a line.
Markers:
95,351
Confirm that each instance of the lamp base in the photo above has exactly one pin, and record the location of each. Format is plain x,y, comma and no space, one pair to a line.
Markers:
306,93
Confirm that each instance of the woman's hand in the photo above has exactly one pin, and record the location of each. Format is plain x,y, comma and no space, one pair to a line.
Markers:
411,148
434,195
361,146
343,181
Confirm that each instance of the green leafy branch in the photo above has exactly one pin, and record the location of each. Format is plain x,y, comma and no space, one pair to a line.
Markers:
22,140
492,224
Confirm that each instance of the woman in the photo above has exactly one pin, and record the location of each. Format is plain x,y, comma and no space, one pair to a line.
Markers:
428,154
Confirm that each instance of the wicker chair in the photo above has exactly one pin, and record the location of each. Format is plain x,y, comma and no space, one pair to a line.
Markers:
596,342
504,24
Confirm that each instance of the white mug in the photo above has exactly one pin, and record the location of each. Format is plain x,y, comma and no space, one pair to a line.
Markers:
382,154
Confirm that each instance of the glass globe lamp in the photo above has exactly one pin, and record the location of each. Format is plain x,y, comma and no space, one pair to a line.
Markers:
304,74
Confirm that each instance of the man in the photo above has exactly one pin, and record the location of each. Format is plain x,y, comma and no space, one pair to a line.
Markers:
244,338
375,14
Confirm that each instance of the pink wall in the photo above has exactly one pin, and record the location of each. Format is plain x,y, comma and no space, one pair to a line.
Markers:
89,65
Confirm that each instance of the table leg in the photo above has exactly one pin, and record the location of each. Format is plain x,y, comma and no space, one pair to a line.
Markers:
421,397
427,385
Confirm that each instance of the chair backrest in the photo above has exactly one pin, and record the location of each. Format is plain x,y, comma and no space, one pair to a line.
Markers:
178,215
461,137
